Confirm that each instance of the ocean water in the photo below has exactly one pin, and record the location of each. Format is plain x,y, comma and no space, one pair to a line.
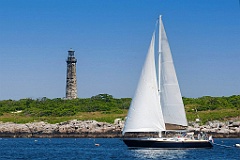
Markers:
109,148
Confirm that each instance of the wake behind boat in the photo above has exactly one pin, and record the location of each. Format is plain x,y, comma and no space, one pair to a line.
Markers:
157,107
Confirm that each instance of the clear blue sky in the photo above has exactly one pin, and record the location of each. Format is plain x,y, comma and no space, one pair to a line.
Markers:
111,38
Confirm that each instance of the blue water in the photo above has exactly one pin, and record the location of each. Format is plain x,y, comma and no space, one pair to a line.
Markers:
84,148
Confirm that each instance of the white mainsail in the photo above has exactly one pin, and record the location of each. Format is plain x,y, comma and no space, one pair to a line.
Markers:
145,114
156,102
170,95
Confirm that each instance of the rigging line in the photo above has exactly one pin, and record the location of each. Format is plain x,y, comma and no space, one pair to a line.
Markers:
222,145
157,23
155,27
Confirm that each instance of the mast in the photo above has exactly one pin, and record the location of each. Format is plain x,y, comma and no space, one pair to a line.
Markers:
159,61
159,54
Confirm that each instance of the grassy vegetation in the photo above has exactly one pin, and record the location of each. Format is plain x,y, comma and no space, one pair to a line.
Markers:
105,108
98,116
212,108
221,115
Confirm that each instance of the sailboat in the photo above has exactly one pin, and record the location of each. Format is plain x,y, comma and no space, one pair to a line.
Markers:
156,117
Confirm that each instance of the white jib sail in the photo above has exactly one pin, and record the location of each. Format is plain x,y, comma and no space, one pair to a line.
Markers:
145,114
170,95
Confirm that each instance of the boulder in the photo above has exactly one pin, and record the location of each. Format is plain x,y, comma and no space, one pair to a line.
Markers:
236,124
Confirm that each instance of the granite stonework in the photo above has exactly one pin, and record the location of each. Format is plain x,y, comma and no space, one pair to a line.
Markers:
94,129
71,81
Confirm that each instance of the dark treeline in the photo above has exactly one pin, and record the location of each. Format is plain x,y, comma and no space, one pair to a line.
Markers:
108,104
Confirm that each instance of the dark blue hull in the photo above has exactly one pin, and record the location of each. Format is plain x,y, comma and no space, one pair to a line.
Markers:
144,143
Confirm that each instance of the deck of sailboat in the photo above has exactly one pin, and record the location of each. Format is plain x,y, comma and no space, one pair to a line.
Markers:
167,139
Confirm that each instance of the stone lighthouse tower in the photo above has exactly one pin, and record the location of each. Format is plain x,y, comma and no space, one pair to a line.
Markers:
71,83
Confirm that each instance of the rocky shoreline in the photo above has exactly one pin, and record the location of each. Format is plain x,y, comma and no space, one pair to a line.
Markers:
94,129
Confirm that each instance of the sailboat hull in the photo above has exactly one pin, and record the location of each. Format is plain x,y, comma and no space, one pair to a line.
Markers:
166,143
